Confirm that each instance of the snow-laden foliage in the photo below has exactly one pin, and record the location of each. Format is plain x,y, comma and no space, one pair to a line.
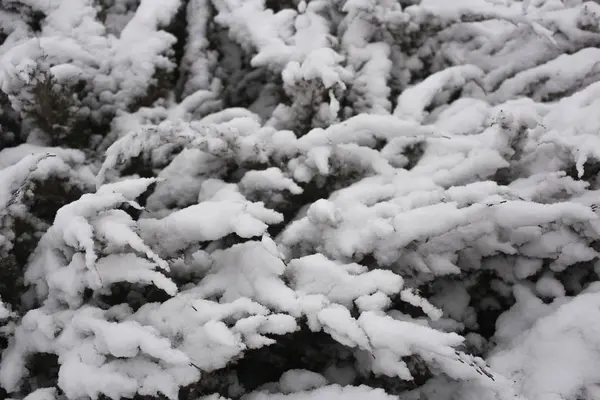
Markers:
294,199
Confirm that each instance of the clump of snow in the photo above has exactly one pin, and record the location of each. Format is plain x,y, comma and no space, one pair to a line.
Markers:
333,392
558,333
299,381
79,226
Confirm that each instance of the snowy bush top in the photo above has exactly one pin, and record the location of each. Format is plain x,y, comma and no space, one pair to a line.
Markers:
324,199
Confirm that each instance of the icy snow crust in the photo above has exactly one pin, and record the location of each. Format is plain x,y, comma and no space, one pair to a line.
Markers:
451,146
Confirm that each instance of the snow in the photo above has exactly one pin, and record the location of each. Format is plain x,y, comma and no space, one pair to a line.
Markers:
269,200
4,311
259,277
15,176
300,380
332,392
557,78
548,286
42,394
319,65
559,334
413,101
86,340
130,268
209,220
269,179
340,283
